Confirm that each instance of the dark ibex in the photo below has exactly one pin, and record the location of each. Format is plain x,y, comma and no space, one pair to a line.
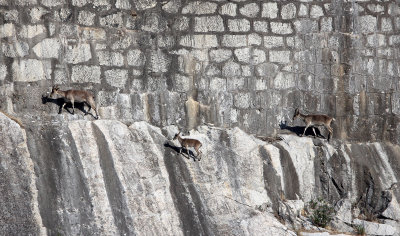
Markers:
187,142
73,96
315,120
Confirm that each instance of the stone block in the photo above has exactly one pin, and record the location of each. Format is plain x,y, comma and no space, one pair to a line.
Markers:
30,70
31,31
78,53
270,10
181,23
172,7
247,70
218,84
7,30
267,70
199,41
86,74
96,34
209,24
220,55
80,3
15,49
182,83
288,11
113,20
250,10
386,24
107,58
284,81
303,10
199,8
231,69
316,11
86,18
48,48
254,39
228,9
367,24
36,14
3,72
261,26
25,2
135,57
11,15
52,3
154,23
67,31
281,28
236,83
239,25
105,98
305,26
116,77
234,40
60,76
273,41
250,55
123,4
326,24
156,84
242,100
145,4
158,62
279,56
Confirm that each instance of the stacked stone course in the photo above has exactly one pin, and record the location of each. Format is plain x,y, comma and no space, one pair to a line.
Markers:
245,63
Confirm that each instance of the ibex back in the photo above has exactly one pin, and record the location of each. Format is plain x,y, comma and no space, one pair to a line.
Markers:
73,96
315,120
187,142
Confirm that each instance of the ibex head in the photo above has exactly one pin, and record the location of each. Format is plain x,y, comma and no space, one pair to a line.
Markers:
54,90
296,114
177,135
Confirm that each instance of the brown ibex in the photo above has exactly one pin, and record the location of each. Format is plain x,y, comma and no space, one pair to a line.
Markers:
73,96
187,142
315,120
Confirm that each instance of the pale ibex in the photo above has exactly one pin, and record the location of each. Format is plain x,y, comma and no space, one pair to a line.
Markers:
315,120
187,142
73,96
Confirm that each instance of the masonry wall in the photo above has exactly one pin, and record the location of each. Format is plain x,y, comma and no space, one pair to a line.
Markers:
228,63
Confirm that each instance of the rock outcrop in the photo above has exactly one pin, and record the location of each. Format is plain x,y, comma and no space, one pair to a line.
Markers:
105,177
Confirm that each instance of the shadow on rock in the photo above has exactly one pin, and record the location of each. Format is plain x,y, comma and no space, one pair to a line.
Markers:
300,129
184,151
60,101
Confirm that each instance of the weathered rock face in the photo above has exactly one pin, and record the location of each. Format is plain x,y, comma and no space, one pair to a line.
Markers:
244,63
105,177
241,65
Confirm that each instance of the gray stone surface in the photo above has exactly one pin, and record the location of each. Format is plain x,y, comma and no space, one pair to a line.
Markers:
270,10
199,8
78,53
241,25
7,30
48,48
188,63
86,74
209,24
30,31
29,70
116,78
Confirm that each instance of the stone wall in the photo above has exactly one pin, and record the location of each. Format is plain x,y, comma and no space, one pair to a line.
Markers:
230,63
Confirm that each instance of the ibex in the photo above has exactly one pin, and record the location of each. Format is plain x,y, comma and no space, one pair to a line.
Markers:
187,142
73,96
315,120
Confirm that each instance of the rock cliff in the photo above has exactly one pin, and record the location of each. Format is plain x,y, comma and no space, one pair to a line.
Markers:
105,177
